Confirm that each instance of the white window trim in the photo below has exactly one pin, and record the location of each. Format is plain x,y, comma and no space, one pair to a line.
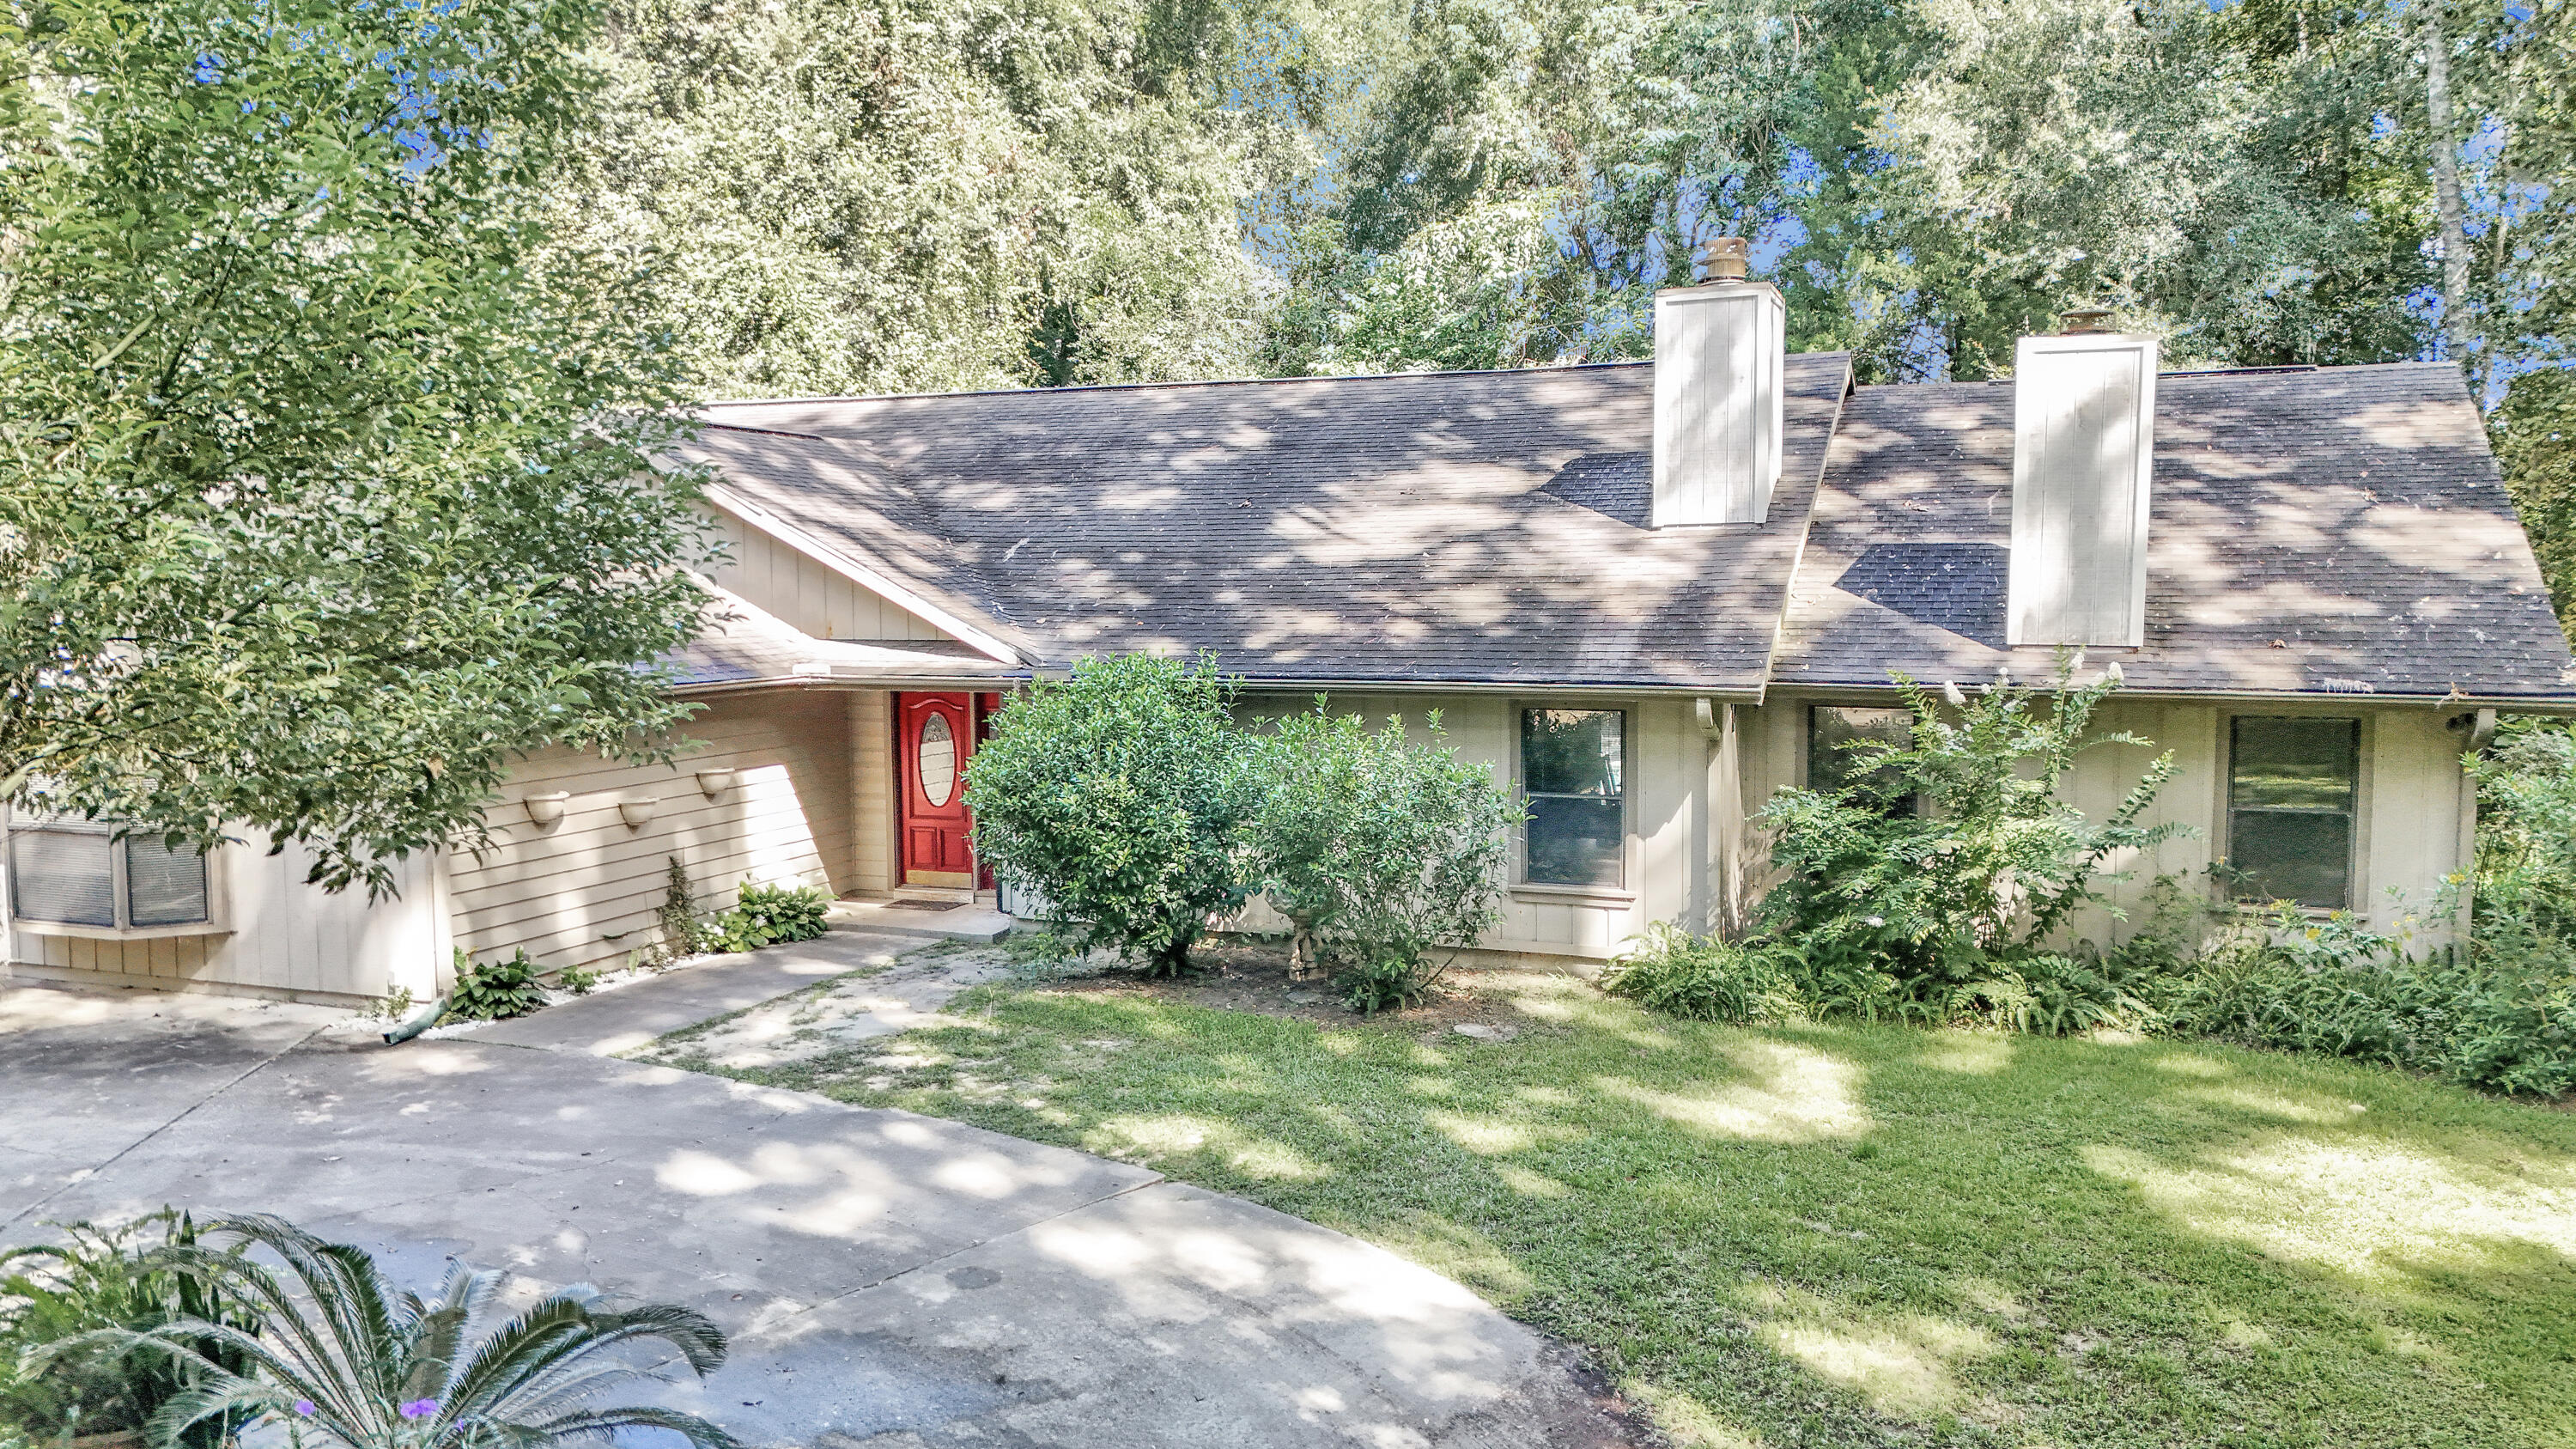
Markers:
1630,854
218,878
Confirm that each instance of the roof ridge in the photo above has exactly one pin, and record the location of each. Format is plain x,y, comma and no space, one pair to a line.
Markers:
772,432
1100,387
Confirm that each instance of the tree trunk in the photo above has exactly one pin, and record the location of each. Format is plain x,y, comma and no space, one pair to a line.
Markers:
1301,951
2446,185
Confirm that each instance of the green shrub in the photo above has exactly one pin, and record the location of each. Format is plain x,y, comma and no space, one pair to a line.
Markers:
678,932
579,980
1371,984
337,1356
2487,1015
2049,995
132,1278
1379,850
1946,911
1038,955
768,915
1121,795
496,989
1704,978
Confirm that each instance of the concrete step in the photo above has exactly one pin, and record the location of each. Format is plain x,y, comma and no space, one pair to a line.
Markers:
963,921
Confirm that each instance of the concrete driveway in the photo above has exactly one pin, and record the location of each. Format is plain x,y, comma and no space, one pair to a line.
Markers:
888,1279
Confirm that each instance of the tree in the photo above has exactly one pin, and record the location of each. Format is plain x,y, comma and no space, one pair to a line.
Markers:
327,482
841,196
1377,849
1121,794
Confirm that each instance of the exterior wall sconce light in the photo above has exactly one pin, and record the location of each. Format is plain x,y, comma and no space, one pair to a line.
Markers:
638,812
545,810
717,783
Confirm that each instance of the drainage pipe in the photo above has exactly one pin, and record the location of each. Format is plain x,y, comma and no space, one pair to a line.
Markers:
428,1017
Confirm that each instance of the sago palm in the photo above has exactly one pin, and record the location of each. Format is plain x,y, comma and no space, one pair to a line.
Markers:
342,1355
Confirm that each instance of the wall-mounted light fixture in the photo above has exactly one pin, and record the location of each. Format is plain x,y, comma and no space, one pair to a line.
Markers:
545,810
638,812
718,782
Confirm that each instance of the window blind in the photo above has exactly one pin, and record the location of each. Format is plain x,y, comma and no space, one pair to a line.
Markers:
62,876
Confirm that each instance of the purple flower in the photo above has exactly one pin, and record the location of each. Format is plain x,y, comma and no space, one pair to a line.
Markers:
304,1407
419,1408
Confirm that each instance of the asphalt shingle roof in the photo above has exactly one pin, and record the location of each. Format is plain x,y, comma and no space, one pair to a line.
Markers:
2331,531
2338,530
1457,527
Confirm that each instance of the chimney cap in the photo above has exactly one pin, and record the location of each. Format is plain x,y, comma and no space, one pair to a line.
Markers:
2076,321
1725,259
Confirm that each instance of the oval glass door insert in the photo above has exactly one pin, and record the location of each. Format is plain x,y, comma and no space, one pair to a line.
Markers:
938,760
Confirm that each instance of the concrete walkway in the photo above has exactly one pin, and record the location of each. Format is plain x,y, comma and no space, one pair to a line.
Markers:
889,1280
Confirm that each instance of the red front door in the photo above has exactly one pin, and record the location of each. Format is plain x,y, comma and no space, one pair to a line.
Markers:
934,734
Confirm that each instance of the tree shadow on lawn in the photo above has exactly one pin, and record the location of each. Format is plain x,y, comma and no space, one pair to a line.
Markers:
1863,1235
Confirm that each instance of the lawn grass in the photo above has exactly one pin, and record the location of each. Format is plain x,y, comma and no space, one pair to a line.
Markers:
1845,1235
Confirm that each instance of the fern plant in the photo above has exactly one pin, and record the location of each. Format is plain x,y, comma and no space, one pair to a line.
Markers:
339,1354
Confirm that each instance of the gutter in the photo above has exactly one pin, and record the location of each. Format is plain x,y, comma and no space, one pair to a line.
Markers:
2556,704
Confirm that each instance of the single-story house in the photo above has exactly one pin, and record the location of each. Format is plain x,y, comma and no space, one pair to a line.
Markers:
1646,594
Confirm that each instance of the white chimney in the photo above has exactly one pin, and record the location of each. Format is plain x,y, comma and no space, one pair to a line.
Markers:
2084,410
1720,349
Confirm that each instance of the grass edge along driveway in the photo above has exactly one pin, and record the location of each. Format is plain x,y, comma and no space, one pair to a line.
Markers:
1844,1235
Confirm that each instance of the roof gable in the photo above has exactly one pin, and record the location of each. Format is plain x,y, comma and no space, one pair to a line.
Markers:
1473,528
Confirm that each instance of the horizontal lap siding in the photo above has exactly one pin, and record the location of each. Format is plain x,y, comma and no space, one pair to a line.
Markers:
807,595
586,891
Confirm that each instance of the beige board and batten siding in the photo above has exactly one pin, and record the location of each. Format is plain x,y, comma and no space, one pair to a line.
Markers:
2412,831
806,594
586,890
1668,773
278,937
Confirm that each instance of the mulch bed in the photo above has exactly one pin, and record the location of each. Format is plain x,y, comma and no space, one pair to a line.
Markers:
1253,976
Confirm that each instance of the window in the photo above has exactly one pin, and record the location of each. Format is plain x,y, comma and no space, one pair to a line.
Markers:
1573,765
79,874
1832,768
2291,789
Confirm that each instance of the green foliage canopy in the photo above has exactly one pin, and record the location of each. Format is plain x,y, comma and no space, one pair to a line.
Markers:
1122,794
1378,849
326,466
1991,862
337,1352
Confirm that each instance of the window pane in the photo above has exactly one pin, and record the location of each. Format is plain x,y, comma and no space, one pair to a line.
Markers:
2291,855
1570,751
2295,764
164,887
1575,840
1832,768
58,875
2291,785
